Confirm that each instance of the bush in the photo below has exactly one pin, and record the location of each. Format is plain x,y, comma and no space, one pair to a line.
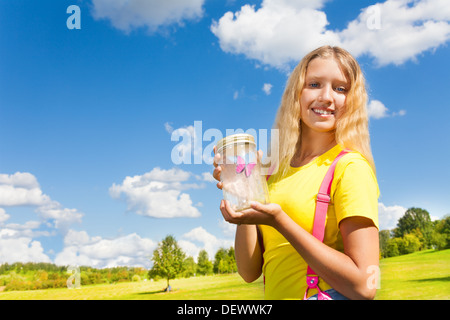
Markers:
392,247
33,276
440,241
135,278
410,244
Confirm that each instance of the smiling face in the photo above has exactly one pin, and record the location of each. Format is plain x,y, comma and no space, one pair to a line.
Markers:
323,95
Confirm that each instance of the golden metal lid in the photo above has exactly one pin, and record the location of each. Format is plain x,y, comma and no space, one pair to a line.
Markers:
234,139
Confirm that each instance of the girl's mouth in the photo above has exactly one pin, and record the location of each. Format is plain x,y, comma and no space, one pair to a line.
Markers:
322,112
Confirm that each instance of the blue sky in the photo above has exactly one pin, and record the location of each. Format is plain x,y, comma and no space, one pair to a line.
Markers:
87,115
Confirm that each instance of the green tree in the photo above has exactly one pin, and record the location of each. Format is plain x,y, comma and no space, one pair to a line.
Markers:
392,247
384,236
168,260
415,218
204,265
219,265
424,243
224,261
190,268
232,260
411,243
441,233
439,241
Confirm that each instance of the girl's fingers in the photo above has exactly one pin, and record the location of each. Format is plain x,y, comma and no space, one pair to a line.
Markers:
216,157
224,211
217,168
260,155
216,172
229,214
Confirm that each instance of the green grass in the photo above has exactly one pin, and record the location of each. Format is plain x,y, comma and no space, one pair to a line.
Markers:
217,287
421,275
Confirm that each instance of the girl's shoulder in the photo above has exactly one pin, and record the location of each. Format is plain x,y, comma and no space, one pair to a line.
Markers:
354,162
352,156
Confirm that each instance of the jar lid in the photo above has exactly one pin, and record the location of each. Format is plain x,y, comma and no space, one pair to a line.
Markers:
235,138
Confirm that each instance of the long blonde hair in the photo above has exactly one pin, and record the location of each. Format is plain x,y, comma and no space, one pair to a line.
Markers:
352,130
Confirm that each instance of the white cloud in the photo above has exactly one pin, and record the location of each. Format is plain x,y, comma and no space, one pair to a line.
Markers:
275,34
280,33
207,176
152,14
389,215
206,241
400,113
63,217
3,216
23,189
267,88
20,180
228,229
22,249
168,127
407,28
16,243
28,230
129,250
158,193
76,238
377,110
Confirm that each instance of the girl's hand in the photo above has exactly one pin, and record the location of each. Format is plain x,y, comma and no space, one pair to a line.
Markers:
217,168
265,214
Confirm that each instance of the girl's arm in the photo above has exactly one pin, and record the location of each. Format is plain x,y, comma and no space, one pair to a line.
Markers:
248,253
346,272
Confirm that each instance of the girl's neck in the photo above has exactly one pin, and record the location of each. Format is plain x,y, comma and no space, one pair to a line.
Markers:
312,145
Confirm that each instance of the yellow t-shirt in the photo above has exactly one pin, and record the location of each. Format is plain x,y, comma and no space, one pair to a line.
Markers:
354,192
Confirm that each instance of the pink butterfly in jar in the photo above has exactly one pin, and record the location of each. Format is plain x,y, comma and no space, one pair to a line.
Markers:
241,166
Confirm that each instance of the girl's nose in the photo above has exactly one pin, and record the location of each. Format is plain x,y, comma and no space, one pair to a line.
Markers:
325,94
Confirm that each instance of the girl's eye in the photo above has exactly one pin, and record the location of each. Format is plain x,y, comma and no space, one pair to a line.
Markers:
341,89
314,85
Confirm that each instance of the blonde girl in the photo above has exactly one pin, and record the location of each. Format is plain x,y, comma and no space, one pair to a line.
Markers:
323,111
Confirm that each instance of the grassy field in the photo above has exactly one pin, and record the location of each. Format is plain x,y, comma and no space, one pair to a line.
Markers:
217,287
421,275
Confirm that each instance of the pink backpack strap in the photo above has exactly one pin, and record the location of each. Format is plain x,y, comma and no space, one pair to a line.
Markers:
270,171
323,200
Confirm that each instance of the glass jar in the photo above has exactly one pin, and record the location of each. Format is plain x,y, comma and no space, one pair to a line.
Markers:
241,174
